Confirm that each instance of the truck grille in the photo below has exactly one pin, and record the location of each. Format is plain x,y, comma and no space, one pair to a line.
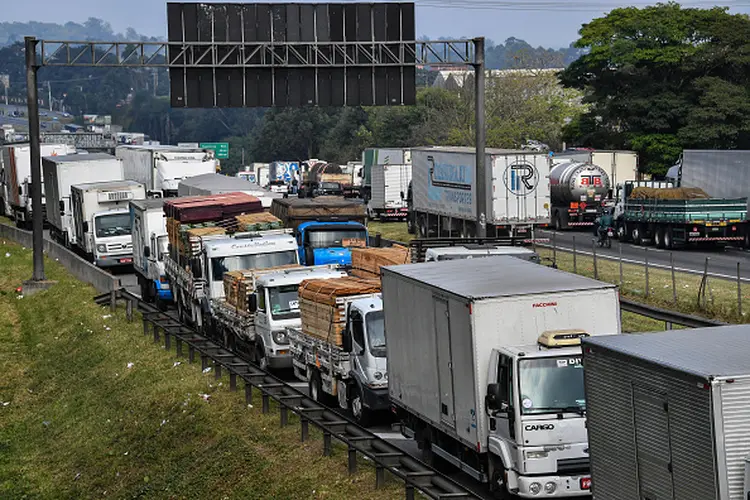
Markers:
573,466
119,247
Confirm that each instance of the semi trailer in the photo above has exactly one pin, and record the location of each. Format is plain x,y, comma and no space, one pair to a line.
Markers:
443,198
577,191
485,372
390,184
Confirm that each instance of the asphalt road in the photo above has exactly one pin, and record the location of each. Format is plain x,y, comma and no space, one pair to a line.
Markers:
722,263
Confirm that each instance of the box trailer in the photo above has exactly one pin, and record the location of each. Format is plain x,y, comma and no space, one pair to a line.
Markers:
444,192
484,367
390,184
62,172
162,168
669,414
15,177
101,217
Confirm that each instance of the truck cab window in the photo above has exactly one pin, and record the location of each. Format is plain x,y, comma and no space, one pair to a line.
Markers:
261,291
505,379
358,329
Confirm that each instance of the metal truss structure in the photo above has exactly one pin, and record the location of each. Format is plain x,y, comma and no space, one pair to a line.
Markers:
255,54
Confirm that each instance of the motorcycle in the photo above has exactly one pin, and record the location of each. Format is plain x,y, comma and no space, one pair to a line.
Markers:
605,238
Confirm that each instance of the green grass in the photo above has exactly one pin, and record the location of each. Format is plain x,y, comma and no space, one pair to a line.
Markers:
390,230
721,295
77,422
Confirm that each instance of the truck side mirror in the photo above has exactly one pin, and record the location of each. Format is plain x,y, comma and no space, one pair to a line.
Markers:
196,269
85,226
62,207
309,255
402,195
252,304
492,399
147,252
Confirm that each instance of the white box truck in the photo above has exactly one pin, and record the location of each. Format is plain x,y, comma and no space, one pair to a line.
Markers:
443,197
390,184
150,246
162,168
15,177
102,220
669,414
214,183
484,368
62,172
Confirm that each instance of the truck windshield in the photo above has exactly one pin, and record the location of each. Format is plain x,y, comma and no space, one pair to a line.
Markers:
112,225
221,265
376,333
284,301
551,385
162,244
327,238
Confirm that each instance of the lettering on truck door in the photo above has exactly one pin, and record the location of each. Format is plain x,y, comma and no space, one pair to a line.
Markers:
445,361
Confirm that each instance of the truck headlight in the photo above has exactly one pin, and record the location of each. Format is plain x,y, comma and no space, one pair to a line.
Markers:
377,375
530,455
280,338
535,488
101,248
550,488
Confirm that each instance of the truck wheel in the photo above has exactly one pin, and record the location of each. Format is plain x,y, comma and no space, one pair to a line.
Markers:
659,237
622,232
747,239
362,415
410,225
261,358
668,238
558,222
637,236
422,227
315,389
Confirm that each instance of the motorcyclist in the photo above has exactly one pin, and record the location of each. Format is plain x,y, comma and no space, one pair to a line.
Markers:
604,222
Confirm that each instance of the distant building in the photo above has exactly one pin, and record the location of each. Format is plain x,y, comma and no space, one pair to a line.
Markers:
456,79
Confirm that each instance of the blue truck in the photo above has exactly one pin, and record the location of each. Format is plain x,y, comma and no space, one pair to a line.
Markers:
326,228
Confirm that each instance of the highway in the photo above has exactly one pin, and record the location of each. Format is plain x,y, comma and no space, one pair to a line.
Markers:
722,262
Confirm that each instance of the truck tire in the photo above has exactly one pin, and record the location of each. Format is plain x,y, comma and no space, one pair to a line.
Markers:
668,238
410,226
637,235
747,238
558,222
362,415
315,389
622,232
260,356
659,237
422,227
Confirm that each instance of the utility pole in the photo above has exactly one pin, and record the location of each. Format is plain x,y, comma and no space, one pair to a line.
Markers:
480,171
37,281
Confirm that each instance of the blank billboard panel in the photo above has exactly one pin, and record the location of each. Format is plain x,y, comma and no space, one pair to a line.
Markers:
291,54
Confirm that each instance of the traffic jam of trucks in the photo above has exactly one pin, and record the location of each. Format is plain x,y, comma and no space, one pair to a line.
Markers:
509,371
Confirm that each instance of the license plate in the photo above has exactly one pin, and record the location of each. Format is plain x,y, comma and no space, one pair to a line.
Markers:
585,483
126,261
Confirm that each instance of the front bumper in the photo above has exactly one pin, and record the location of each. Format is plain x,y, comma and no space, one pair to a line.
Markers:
565,486
114,260
279,361
376,399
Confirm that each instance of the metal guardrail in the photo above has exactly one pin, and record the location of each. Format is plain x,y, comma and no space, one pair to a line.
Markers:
385,457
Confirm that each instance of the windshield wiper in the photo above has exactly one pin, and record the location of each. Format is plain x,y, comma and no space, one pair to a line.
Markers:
561,409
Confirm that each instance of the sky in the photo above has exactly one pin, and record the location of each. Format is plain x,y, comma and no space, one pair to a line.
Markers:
547,23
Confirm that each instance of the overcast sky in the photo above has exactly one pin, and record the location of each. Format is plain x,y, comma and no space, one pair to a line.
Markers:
547,23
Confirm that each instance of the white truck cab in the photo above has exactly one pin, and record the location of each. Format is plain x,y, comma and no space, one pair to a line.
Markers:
539,430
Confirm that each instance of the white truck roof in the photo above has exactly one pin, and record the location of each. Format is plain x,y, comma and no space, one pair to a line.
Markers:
75,158
241,246
478,278
295,275
485,250
148,204
107,185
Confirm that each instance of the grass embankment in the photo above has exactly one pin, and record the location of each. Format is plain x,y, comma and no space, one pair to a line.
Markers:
390,230
720,295
78,420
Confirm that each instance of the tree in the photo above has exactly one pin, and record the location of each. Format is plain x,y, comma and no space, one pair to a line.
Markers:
663,78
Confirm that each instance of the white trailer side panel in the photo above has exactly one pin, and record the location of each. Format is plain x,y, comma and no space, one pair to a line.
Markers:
389,183
721,174
733,435
443,183
520,189
137,164
620,165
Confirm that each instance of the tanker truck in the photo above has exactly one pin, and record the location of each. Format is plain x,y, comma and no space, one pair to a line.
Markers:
577,190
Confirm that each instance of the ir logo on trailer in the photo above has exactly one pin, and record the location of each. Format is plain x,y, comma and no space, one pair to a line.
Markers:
521,179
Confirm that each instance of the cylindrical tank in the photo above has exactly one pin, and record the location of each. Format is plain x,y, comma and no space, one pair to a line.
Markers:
575,181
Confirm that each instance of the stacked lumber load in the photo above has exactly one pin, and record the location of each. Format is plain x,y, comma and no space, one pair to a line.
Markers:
323,305
191,218
367,262
263,221
240,285
682,193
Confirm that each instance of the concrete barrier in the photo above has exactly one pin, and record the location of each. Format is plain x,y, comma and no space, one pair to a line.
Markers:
85,271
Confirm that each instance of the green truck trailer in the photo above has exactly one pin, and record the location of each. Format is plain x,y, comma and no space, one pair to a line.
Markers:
675,223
